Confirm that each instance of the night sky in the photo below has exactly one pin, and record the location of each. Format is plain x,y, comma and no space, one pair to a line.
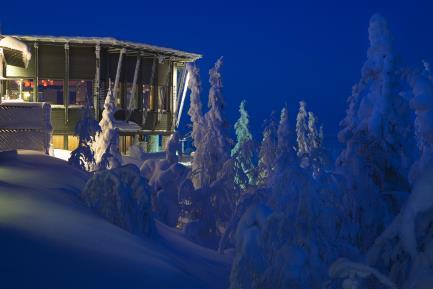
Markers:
275,52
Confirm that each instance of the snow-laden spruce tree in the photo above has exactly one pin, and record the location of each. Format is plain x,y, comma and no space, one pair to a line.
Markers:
198,125
314,138
86,129
377,135
268,150
285,147
212,169
401,256
216,139
106,145
286,172
422,103
243,152
319,158
302,130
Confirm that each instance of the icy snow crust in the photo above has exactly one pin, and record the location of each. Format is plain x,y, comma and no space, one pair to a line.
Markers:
50,239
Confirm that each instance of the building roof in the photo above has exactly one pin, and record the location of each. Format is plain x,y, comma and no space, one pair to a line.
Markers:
115,44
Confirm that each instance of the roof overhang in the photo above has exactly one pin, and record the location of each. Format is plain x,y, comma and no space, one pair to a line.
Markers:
115,45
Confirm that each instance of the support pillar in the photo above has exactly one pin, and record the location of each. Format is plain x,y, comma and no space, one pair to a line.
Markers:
36,76
1,75
119,69
66,84
96,88
174,99
182,101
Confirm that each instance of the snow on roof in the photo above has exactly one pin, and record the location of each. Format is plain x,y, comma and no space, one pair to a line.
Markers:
109,41
18,53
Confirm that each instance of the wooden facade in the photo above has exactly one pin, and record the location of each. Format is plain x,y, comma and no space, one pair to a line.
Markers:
67,71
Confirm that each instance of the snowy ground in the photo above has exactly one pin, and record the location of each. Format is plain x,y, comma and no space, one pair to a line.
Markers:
49,239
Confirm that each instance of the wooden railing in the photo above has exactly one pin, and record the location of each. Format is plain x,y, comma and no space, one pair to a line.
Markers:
25,125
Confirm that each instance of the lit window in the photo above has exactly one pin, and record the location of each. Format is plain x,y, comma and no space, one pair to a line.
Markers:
50,91
19,89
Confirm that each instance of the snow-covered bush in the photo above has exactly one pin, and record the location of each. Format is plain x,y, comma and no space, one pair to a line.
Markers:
86,129
121,195
165,180
106,145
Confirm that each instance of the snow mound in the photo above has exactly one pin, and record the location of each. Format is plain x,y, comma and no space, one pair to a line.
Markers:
122,197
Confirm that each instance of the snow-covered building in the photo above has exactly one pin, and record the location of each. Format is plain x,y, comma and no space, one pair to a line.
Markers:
148,83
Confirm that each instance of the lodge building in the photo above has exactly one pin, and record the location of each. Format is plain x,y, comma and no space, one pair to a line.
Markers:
66,72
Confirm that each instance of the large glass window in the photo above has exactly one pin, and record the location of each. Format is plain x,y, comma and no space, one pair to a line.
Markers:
50,91
80,91
19,89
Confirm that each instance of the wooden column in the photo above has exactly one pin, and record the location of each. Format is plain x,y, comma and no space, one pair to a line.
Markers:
119,68
66,84
1,74
96,88
155,85
36,76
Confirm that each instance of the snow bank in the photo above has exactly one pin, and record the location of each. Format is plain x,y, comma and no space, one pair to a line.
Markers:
50,239
122,197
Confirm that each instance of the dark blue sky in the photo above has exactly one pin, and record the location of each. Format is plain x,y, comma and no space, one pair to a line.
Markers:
275,52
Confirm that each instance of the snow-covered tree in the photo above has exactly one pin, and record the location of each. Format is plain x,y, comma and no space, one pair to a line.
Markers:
212,169
268,150
313,133
244,150
106,145
216,140
86,129
285,147
198,125
377,134
422,103
302,130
